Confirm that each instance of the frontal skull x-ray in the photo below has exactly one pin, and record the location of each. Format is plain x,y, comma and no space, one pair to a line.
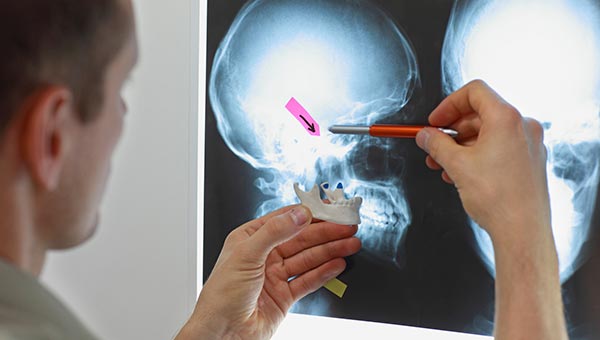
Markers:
544,58
359,62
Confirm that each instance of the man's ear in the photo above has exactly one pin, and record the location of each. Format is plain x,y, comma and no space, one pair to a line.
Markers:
45,133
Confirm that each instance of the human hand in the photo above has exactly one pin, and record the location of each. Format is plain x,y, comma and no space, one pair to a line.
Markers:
249,290
498,162
498,165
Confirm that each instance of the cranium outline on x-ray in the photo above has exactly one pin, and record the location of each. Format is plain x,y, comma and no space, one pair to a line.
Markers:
345,61
543,56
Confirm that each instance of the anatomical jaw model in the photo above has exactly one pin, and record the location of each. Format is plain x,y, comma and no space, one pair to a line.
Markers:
340,210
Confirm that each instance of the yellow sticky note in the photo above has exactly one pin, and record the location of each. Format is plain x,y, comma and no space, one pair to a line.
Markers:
337,287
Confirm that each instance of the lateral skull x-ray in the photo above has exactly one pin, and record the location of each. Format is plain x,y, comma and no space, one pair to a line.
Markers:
361,72
365,62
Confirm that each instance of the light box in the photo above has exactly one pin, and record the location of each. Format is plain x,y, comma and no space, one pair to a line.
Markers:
426,270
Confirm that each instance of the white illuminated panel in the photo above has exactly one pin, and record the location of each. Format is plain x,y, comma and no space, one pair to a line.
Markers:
201,149
265,88
300,327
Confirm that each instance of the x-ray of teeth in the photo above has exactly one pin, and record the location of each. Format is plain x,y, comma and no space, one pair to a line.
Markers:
424,263
544,57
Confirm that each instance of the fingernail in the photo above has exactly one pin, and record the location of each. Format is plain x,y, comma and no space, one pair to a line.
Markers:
299,215
423,139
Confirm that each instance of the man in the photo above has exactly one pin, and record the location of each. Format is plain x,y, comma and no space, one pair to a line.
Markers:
62,68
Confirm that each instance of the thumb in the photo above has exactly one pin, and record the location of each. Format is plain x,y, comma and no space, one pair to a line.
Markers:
441,147
277,230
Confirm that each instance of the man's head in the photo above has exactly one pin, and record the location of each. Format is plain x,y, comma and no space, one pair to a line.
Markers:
59,42
62,66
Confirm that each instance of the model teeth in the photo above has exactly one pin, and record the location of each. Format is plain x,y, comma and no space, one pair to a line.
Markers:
336,197
353,202
340,210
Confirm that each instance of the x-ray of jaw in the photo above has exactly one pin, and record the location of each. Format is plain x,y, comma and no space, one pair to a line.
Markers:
346,62
543,56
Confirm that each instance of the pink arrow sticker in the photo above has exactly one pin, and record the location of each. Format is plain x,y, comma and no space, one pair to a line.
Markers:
303,117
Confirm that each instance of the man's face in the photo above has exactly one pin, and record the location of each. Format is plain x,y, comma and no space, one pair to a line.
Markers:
72,216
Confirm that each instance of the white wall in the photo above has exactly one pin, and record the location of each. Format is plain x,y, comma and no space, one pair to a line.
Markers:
136,279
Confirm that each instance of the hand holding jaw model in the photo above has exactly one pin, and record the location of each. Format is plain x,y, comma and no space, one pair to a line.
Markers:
340,210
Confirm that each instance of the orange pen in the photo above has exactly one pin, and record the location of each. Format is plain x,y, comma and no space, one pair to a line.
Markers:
394,131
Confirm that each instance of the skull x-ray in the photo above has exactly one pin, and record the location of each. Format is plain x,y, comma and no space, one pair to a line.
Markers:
363,72
424,263
544,58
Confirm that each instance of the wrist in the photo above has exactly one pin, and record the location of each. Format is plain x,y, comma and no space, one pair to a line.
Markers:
194,329
528,296
532,255
526,246
203,324
520,230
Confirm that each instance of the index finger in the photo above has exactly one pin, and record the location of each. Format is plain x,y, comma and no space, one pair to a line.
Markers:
314,235
474,98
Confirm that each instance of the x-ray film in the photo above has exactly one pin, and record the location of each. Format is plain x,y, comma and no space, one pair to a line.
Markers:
280,72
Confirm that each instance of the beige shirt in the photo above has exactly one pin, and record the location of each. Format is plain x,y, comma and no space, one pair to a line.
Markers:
28,311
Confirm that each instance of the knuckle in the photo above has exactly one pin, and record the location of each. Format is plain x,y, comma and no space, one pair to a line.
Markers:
510,115
277,224
332,250
537,130
302,239
232,236
308,260
544,153
477,83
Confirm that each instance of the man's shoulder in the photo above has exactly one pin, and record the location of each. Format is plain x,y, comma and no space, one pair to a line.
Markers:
20,333
15,325
30,311
22,324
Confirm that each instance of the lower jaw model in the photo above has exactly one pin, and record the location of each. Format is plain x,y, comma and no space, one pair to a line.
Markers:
340,210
